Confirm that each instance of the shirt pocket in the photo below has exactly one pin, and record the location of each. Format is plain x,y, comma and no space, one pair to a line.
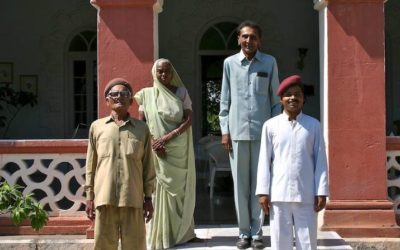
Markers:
104,146
134,148
261,83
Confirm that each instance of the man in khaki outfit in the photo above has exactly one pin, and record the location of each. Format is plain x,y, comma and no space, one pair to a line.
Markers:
119,173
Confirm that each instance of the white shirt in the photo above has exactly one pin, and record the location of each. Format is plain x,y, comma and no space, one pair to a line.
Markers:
292,165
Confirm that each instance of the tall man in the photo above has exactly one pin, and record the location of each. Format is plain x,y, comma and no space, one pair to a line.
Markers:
292,180
119,173
250,79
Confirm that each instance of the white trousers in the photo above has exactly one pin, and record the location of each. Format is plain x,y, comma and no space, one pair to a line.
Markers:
286,215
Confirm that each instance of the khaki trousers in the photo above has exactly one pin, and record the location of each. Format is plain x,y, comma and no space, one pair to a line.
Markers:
113,223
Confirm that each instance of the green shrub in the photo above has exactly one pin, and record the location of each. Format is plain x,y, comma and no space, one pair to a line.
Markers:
21,207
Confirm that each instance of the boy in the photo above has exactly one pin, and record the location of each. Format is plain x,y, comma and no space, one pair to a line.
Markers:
292,183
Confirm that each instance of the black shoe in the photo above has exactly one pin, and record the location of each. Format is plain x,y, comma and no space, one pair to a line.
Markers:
243,243
257,244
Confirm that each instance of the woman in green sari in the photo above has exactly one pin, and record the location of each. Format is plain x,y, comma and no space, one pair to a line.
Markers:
166,107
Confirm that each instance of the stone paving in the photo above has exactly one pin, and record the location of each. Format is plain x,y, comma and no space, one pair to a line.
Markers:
222,237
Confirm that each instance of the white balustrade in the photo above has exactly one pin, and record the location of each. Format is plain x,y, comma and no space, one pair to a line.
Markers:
61,178
393,181
57,179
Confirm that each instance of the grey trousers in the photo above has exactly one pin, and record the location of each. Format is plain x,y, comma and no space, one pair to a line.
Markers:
244,163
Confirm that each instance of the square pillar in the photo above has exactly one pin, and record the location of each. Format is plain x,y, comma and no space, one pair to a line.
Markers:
125,45
358,205
125,48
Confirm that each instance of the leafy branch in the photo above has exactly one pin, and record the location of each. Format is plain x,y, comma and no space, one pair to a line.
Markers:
21,207
213,97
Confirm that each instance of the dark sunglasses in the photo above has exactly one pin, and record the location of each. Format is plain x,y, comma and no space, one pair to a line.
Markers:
115,94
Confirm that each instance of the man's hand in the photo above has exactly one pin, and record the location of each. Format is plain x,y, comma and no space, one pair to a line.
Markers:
264,202
90,210
148,210
227,142
319,203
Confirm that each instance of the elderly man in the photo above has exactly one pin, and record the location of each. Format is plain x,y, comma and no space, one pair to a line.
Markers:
250,79
119,173
292,182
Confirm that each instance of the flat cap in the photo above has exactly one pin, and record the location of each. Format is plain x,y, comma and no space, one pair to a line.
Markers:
288,82
114,82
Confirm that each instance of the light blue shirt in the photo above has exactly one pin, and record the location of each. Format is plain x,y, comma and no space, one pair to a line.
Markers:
292,165
248,95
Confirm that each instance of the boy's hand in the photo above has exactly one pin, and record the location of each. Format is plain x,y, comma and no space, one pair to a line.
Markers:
264,202
319,203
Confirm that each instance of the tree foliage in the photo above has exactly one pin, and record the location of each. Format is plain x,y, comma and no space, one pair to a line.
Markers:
213,96
21,207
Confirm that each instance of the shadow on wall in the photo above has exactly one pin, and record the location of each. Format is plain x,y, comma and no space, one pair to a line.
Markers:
353,19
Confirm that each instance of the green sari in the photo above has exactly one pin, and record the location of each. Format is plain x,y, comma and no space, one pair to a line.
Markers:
176,178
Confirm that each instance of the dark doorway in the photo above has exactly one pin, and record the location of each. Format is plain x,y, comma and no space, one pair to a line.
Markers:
211,78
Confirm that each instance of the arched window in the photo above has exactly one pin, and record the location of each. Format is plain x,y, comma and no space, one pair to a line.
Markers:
220,36
82,83
218,42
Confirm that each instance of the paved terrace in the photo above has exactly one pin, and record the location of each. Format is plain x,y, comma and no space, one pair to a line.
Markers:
217,237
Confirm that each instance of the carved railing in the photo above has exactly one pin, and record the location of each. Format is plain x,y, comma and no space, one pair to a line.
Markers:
53,170
393,170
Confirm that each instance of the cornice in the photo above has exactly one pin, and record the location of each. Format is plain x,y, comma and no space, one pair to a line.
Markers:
355,1
157,7
123,3
321,4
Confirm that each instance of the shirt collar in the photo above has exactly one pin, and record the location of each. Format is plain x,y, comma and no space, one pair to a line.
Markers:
243,57
129,120
298,117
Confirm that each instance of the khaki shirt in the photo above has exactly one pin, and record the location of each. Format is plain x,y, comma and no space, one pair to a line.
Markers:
119,164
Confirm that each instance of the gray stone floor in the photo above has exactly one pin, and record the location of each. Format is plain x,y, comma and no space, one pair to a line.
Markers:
215,221
221,237
225,236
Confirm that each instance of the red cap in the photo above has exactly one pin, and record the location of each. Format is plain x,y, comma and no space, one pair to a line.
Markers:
114,82
287,82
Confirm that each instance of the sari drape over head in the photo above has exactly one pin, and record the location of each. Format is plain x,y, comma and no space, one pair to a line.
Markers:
176,179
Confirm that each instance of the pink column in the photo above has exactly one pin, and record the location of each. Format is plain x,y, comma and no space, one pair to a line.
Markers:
125,44
125,47
358,205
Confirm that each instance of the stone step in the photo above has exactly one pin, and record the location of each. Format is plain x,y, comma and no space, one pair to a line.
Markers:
55,225
221,237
